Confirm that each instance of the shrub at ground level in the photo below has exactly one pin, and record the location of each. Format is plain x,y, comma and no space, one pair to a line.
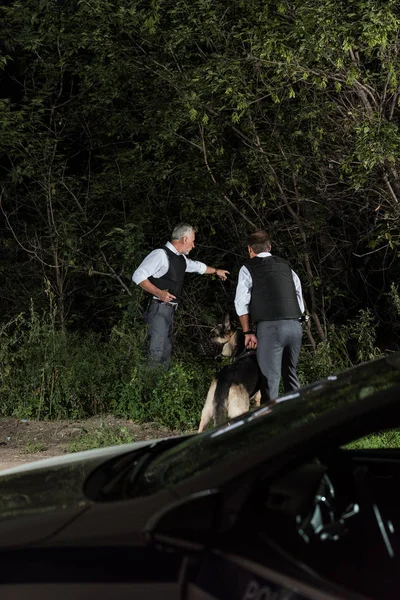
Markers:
46,373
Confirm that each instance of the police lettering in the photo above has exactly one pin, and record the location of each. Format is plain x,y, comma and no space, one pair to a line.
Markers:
254,591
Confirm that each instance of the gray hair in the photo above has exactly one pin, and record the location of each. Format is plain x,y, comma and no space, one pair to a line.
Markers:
181,230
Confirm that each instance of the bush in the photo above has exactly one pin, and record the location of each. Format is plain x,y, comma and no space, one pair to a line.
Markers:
46,373
350,344
174,398
326,360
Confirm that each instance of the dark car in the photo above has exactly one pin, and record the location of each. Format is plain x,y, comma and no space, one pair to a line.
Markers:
275,505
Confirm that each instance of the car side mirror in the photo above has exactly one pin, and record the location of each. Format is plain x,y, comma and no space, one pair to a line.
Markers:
188,524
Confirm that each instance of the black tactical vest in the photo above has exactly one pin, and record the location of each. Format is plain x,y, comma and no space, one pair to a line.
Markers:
173,278
273,295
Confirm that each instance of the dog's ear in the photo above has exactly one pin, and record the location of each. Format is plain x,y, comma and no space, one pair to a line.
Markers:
227,322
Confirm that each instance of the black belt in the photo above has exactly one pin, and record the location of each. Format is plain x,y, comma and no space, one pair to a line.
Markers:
302,319
174,305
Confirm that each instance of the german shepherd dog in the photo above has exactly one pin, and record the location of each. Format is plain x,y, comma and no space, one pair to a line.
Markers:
236,384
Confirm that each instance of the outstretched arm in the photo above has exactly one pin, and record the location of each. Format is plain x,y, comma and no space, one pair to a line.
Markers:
195,266
221,273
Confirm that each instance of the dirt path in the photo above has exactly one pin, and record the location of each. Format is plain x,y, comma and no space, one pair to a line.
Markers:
24,441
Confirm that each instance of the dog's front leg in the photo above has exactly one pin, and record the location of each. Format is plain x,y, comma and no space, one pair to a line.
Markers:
257,398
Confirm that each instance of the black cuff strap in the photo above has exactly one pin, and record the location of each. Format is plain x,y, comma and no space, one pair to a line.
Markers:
248,332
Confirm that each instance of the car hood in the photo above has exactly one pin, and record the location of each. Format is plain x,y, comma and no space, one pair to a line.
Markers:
54,484
291,420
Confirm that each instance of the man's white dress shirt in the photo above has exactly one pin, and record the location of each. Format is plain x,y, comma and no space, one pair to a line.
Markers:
156,264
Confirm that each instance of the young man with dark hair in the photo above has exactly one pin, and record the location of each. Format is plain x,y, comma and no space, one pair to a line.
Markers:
270,293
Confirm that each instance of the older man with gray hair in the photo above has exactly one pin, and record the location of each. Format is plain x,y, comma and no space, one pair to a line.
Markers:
161,274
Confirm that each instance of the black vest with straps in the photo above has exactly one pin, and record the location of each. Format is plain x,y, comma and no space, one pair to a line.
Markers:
173,278
273,294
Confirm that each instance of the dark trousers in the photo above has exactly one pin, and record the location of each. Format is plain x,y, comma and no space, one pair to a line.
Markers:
278,350
160,325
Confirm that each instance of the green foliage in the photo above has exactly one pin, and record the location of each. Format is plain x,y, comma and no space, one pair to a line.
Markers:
330,357
51,374
352,343
47,373
362,330
34,447
395,298
103,436
117,117
120,118
174,398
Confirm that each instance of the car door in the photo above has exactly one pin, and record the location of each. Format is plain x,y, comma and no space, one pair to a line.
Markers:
334,512
222,575
232,562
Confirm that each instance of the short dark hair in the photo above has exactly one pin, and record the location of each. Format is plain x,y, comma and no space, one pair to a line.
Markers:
259,241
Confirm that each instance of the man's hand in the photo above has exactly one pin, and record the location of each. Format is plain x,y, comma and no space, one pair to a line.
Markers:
250,341
166,296
222,274
163,295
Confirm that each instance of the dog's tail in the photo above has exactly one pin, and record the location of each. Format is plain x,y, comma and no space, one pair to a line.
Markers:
220,404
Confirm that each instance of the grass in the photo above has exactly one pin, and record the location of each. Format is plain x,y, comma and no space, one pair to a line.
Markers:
103,436
34,447
384,439
107,435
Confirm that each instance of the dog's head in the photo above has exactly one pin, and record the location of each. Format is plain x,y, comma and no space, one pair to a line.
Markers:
225,335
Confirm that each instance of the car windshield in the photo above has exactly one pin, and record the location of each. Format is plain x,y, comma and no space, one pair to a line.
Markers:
259,427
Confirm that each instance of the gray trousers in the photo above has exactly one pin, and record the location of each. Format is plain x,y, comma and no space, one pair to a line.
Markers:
278,350
160,325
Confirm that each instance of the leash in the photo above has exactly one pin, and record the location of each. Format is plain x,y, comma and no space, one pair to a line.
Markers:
243,354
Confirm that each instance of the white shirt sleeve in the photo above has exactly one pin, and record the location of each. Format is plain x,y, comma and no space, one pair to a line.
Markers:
155,264
243,292
195,266
297,285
